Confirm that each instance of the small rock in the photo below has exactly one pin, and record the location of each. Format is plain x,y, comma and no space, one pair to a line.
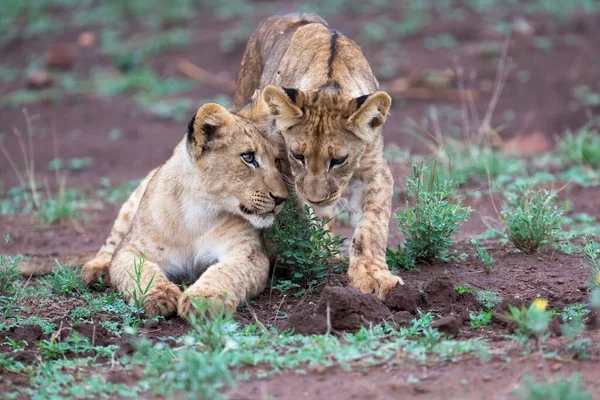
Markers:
486,86
61,56
530,144
560,281
465,316
38,79
554,326
448,325
522,27
86,39
402,317
486,378
419,388
555,367
501,320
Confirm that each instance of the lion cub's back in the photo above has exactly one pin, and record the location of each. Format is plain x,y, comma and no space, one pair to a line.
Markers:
302,51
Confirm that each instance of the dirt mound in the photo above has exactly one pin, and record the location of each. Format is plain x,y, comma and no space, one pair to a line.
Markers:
438,295
29,334
96,333
348,310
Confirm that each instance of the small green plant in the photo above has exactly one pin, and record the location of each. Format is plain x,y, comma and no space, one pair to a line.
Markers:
63,206
211,325
488,299
482,255
574,312
532,322
464,288
16,345
303,245
430,218
531,218
73,164
66,279
586,96
141,289
573,327
9,273
285,286
480,318
582,147
562,389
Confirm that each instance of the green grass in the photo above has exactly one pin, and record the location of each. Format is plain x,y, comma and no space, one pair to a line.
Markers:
72,164
141,289
581,148
9,289
24,97
66,279
561,389
482,255
64,205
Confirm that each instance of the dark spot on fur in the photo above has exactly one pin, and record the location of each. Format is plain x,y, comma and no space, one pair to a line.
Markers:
332,52
357,246
375,122
209,131
246,210
361,100
190,130
298,25
291,93
112,243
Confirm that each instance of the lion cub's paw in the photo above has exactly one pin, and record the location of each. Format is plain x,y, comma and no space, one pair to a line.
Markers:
200,301
374,280
96,269
162,299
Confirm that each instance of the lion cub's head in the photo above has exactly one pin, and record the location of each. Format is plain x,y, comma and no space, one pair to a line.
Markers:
238,165
325,134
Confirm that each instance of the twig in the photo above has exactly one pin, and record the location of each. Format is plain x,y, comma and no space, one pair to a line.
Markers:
427,93
201,75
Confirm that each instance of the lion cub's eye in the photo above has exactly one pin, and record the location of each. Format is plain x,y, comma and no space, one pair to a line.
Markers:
337,161
250,159
298,157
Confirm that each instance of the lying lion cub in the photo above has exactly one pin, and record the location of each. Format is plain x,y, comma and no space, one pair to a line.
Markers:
197,215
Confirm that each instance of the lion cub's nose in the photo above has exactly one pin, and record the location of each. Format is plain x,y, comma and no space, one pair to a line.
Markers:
278,200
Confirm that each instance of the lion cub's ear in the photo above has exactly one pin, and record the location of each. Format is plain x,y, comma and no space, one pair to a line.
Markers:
283,105
371,111
205,125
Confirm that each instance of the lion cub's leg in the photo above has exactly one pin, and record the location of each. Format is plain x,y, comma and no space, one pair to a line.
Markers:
242,272
137,277
97,268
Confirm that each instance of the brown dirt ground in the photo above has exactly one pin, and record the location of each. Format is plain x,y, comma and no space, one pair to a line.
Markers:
81,123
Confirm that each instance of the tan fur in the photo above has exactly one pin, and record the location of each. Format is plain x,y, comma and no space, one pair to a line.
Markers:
197,215
320,100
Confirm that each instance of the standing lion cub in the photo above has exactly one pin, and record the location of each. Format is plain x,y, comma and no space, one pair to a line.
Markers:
325,114
197,215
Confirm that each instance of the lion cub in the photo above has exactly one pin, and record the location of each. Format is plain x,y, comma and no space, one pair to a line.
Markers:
198,214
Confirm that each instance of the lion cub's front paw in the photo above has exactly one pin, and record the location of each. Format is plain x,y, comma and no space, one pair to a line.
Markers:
96,269
162,299
373,278
201,300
